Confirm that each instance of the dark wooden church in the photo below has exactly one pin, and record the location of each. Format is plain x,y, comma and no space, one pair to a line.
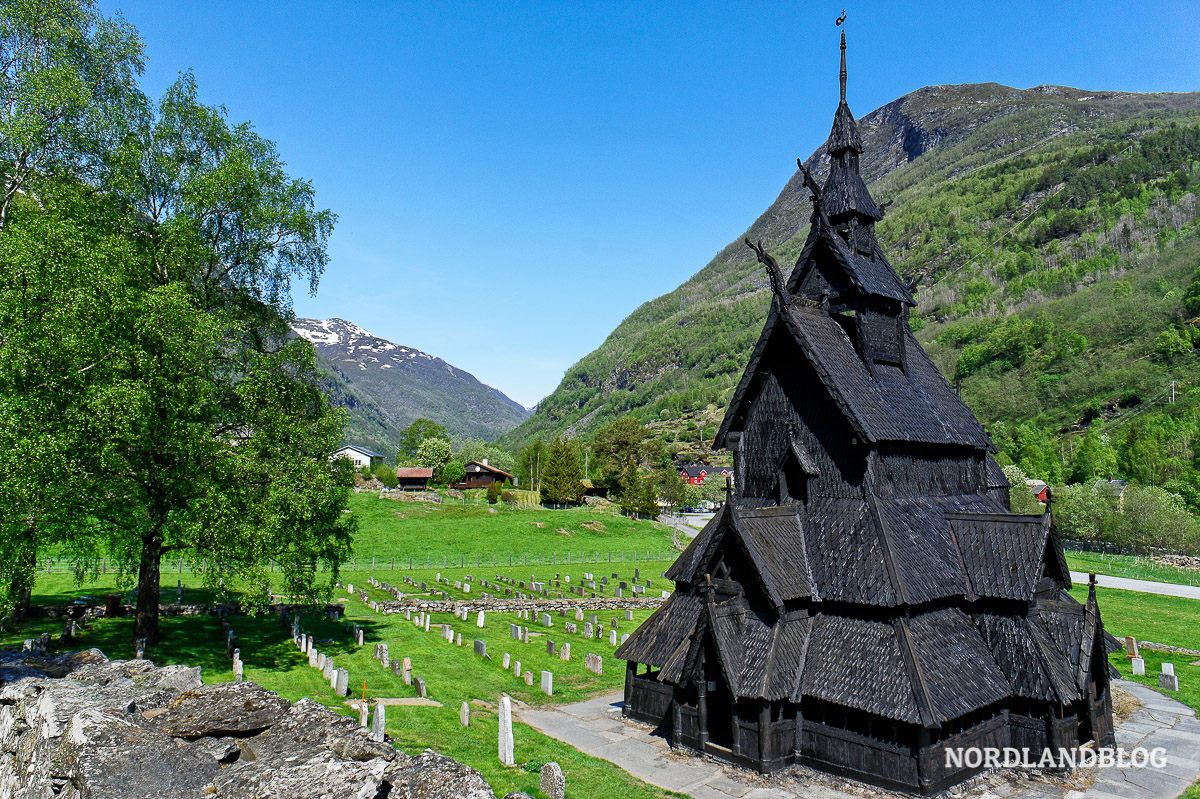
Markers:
865,600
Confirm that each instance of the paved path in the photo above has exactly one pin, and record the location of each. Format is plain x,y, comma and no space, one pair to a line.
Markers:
1145,586
596,728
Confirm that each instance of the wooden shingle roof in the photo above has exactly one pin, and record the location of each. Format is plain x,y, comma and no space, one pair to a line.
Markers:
914,404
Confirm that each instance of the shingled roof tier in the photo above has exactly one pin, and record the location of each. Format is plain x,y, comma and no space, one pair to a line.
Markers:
864,600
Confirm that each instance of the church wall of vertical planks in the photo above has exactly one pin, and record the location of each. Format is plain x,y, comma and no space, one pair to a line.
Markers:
865,600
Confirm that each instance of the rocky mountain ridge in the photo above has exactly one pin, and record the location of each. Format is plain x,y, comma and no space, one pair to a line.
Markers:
384,386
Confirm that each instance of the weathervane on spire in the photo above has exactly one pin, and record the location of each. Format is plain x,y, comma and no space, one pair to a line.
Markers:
842,74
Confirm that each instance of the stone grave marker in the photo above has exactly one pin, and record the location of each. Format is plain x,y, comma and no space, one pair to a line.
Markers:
552,783
342,686
505,732
464,715
481,647
1167,679
529,677
421,691
1139,666
506,661
546,620
378,721
1131,647
516,668
612,637
578,614
550,650
479,620
628,614
565,652
593,663
587,629
624,638
406,669
547,683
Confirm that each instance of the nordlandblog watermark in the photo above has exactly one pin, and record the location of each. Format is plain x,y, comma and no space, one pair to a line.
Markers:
1062,759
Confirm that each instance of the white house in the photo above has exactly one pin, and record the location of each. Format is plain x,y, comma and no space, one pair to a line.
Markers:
359,456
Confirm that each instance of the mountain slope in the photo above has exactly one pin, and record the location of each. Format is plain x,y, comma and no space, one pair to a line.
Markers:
385,386
981,208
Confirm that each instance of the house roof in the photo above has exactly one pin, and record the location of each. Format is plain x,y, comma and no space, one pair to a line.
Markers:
913,403
492,469
414,472
356,448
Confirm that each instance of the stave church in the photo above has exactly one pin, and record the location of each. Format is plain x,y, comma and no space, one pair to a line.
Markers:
864,601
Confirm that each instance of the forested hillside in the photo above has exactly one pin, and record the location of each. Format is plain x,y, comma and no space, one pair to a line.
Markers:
1052,234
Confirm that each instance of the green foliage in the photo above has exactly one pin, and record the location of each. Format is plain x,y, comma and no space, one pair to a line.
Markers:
479,451
1020,498
434,453
68,90
414,434
529,463
562,475
386,475
453,472
196,427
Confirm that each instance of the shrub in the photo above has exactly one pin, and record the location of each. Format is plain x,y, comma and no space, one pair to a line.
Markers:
386,475
493,493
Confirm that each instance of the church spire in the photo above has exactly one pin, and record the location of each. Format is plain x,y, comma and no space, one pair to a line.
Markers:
842,72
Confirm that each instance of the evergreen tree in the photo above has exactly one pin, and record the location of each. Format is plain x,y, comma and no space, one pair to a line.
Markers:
562,477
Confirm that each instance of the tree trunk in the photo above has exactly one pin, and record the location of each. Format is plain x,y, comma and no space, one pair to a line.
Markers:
21,588
146,624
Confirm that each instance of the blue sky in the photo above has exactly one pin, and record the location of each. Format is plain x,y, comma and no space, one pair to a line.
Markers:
513,179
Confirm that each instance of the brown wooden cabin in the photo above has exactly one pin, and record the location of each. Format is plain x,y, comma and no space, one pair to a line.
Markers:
481,475
413,478
865,600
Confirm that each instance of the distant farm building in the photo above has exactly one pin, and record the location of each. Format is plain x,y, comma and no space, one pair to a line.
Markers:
413,478
359,456
1039,489
481,475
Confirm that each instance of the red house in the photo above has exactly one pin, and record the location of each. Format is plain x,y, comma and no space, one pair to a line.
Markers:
696,473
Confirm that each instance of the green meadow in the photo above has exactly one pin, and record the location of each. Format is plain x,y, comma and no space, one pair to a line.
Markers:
539,542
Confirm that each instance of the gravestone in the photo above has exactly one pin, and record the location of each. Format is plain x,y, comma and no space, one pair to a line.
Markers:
565,652
552,783
525,635
578,614
378,721
587,629
464,715
550,650
628,614
1131,647
321,661
420,683
312,658
327,672
516,668
479,620
546,620
359,635
505,733
363,710
238,670
570,626
624,638
406,671
342,687
506,661
612,637
384,659
547,683
594,663
1139,666
458,639
529,677
1167,679
481,647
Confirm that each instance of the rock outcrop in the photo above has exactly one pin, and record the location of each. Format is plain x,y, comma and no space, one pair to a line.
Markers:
78,726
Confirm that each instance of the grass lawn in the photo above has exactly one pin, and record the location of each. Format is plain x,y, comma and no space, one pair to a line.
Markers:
452,674
1133,567
455,674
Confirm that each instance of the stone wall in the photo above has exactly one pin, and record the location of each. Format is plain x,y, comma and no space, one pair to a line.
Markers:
513,605
77,725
